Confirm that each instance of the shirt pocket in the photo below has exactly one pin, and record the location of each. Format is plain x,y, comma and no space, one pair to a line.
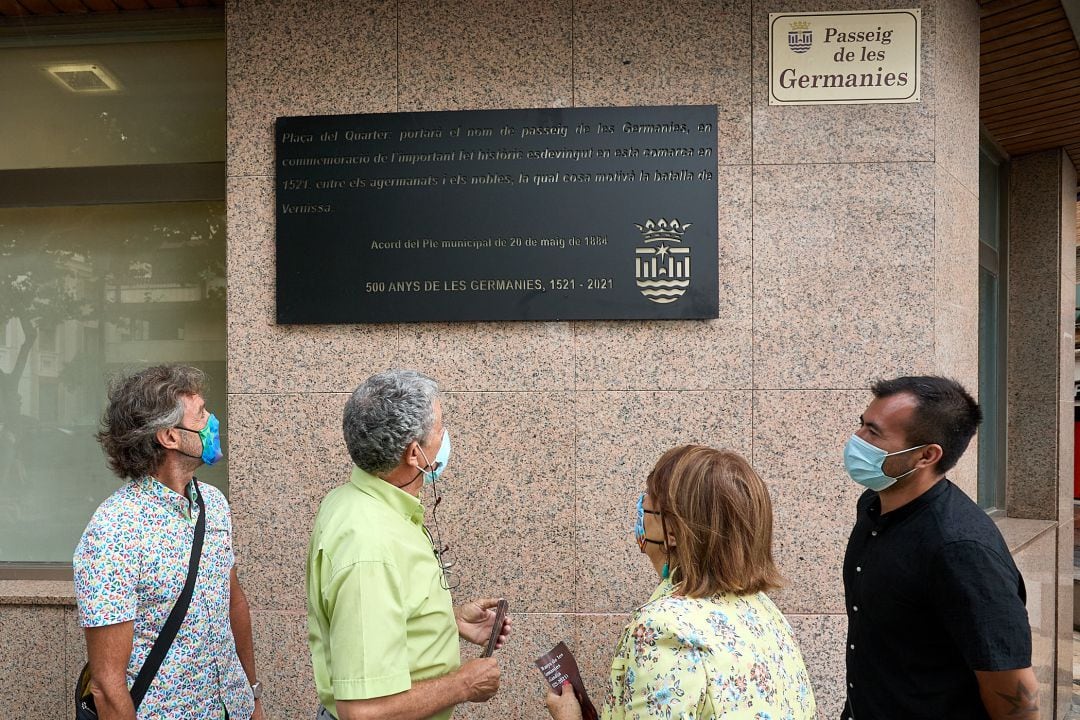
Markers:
217,554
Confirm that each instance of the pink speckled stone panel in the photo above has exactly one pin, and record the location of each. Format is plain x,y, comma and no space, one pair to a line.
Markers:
689,52
521,686
74,648
521,356
32,662
1066,461
956,299
37,592
1031,487
691,354
594,648
1035,268
286,452
821,642
956,122
956,280
267,357
843,273
619,437
479,54
799,438
304,58
505,488
1037,382
283,661
507,509
898,132
1037,563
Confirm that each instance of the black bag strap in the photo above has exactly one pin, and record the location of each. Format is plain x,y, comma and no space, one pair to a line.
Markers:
168,632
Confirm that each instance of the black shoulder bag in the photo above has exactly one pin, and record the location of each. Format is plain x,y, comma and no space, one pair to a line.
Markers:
84,700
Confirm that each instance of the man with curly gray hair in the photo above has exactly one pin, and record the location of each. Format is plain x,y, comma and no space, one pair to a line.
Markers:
132,560
382,626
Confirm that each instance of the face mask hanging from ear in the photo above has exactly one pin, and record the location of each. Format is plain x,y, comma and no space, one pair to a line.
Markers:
435,470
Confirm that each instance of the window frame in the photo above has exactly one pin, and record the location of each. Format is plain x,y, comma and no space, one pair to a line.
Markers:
996,262
103,185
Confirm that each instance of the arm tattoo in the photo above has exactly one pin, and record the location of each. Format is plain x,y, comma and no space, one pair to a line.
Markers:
1024,704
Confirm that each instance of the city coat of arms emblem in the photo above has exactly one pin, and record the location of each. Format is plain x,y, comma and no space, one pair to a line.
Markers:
800,37
662,266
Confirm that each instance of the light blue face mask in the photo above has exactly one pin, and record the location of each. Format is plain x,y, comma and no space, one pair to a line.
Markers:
441,459
863,463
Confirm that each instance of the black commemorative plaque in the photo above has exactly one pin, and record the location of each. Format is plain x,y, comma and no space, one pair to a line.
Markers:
547,214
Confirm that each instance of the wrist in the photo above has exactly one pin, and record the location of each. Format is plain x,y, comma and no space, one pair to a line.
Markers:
461,687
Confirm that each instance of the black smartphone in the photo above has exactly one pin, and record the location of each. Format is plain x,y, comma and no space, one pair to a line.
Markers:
496,629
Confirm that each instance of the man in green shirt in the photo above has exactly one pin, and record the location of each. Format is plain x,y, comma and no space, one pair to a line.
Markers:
382,626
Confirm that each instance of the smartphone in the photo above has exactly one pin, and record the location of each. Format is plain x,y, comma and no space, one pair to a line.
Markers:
496,629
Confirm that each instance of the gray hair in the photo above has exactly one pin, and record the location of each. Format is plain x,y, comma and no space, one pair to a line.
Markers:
140,404
386,413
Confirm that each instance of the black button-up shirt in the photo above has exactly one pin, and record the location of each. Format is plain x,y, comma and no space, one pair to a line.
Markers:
932,595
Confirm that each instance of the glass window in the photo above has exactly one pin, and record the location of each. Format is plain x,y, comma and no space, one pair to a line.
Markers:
992,319
101,269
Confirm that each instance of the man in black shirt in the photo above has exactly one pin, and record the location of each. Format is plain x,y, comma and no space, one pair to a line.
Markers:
937,628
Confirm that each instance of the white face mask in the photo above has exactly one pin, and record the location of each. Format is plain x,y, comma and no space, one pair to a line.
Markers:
864,461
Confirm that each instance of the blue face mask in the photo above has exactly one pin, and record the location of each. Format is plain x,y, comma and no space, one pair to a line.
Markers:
434,470
639,524
863,463
211,440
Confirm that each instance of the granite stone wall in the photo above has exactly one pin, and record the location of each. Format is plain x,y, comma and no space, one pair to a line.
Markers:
1041,361
848,250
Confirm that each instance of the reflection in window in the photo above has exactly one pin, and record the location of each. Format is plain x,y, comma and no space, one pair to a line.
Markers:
992,314
86,292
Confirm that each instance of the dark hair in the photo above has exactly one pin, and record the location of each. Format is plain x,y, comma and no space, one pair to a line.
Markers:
139,405
945,413
720,513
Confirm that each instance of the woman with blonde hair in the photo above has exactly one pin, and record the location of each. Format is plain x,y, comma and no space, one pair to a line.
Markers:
709,643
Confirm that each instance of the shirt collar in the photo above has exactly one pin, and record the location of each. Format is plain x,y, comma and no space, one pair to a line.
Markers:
909,509
396,499
158,493
663,590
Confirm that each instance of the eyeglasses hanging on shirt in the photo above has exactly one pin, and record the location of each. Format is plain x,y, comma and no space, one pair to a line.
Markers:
450,579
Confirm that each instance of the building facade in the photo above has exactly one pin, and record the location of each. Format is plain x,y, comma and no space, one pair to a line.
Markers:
849,250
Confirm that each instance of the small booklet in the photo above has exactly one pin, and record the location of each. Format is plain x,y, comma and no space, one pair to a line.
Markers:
558,665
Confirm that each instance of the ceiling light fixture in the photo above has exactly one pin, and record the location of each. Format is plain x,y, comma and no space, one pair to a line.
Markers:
83,78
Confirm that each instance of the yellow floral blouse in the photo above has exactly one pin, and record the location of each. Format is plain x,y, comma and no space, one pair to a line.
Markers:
724,656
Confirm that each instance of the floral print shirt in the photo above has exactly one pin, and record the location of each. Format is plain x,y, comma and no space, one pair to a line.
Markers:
131,564
725,656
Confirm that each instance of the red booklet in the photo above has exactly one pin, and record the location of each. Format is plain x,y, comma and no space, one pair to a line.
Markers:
558,665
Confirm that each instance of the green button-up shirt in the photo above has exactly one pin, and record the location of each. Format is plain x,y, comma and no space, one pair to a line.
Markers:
378,616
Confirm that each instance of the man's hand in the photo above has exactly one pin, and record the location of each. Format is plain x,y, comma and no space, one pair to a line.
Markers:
480,678
475,620
564,706
258,714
